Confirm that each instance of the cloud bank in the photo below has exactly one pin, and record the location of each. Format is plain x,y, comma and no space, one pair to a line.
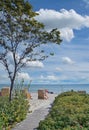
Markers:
65,20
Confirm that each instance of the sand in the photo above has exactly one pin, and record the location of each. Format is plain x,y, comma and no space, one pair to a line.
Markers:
36,103
39,109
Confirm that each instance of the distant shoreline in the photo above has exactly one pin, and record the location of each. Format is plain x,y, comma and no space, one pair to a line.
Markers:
56,88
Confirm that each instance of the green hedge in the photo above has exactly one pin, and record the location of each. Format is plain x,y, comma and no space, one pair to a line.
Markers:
12,112
70,111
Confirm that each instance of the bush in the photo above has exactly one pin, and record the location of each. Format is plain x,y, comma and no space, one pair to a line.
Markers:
70,111
12,112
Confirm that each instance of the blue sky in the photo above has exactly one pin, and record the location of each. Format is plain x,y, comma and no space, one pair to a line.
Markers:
70,64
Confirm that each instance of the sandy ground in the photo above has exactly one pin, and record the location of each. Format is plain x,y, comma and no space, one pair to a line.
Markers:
36,103
39,109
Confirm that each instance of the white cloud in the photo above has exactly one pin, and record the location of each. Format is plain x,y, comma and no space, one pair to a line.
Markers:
24,76
49,77
36,64
58,69
67,34
52,77
66,21
67,60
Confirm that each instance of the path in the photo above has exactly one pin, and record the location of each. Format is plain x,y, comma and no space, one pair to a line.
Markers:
39,113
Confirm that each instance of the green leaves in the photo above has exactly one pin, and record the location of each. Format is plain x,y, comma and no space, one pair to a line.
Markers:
12,112
70,111
18,26
52,54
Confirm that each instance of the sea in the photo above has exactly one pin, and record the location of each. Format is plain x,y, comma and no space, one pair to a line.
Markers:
55,88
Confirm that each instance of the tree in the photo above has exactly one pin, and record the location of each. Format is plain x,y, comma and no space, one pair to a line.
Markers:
22,37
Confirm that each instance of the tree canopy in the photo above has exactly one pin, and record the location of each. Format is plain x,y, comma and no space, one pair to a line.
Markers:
21,36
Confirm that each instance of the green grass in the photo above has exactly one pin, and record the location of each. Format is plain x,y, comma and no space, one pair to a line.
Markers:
70,111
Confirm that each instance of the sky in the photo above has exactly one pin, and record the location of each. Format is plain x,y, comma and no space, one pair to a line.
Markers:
70,64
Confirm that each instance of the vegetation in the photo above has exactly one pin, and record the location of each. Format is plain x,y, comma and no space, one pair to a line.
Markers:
12,112
70,111
22,38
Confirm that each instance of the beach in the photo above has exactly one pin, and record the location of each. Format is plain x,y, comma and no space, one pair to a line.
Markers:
39,108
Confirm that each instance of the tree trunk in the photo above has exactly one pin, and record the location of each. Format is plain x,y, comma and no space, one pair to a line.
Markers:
11,88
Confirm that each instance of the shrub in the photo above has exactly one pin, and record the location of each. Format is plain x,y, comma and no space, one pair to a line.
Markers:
70,111
12,112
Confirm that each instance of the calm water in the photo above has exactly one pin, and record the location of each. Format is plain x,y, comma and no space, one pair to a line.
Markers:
56,88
